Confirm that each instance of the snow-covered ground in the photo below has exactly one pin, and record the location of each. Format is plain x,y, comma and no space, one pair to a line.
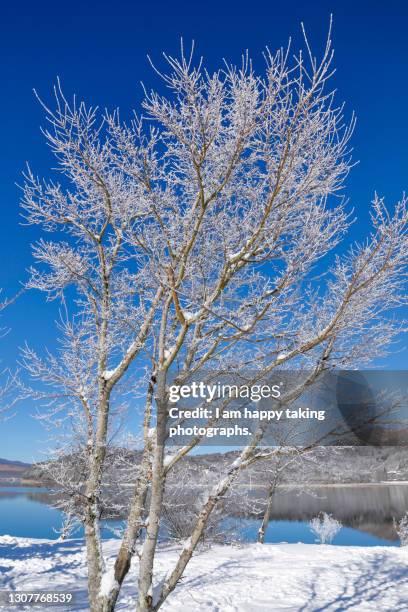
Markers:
251,578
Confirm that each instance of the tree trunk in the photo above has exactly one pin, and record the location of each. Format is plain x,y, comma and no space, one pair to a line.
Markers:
95,561
126,551
267,514
145,597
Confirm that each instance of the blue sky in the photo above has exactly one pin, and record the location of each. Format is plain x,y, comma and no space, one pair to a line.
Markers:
99,51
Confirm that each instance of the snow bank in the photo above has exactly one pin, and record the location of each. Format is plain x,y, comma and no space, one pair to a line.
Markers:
251,578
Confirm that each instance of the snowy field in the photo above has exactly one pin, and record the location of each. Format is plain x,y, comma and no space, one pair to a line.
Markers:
251,578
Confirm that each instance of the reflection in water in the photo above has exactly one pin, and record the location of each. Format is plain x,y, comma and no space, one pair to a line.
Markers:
368,508
35,493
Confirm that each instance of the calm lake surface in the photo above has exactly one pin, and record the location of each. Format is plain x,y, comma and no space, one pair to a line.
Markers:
366,512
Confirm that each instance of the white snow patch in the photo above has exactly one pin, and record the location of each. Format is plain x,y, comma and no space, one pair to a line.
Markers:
278,577
108,582
231,256
246,327
167,460
7,540
236,463
187,544
107,374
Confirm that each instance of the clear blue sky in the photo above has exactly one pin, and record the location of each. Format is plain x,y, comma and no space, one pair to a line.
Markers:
99,51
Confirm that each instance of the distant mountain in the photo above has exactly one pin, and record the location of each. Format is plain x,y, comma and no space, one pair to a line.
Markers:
12,472
340,465
16,464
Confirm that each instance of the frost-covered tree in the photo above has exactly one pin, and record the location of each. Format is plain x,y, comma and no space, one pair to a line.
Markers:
401,528
195,237
325,527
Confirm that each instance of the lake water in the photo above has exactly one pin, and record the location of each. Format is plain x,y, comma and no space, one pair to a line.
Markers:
26,512
366,512
23,514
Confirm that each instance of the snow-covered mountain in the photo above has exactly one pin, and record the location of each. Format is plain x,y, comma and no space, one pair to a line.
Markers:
11,472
